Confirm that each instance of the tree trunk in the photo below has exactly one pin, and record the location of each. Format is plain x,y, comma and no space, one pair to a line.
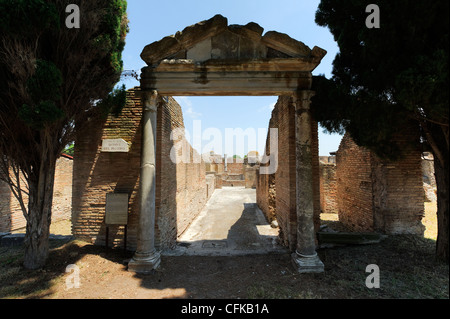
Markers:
442,179
39,214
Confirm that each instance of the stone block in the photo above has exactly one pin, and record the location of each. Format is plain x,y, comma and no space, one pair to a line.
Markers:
318,53
200,31
284,43
349,238
200,52
12,240
251,30
272,53
3,235
159,50
305,265
225,45
250,49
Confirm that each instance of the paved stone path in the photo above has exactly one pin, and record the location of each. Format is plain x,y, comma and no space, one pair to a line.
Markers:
230,224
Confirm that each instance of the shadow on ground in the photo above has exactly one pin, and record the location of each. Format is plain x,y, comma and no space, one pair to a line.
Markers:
407,270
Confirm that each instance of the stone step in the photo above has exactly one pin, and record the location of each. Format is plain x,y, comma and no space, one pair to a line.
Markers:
12,240
349,238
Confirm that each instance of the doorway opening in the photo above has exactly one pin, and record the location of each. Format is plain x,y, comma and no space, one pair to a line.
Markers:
229,133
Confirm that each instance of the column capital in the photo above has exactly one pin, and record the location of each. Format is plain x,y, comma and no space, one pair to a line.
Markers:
150,100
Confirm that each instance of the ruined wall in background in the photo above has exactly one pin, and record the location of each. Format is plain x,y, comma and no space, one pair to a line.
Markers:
354,186
398,189
380,195
233,174
328,187
11,216
265,183
238,172
182,188
5,208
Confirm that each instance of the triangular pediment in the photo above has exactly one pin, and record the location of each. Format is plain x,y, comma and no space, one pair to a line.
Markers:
214,39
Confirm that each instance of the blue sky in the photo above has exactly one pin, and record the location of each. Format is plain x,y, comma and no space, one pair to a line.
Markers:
152,20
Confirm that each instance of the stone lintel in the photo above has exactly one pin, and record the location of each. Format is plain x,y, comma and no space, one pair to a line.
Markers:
301,64
228,83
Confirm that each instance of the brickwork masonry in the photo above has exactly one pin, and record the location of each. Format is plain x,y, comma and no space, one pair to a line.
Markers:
11,216
182,189
276,193
380,195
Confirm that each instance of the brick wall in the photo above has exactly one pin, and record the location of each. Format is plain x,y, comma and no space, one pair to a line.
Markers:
235,167
276,193
238,174
98,173
285,180
380,195
5,208
354,185
328,188
265,183
62,192
398,190
181,189
250,176
11,216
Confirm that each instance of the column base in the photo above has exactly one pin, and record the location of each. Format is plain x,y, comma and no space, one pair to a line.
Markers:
144,264
304,265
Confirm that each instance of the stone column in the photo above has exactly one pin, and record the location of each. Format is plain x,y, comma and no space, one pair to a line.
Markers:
146,257
305,258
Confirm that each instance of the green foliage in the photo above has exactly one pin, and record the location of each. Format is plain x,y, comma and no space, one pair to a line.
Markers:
113,31
46,82
69,150
114,102
370,121
44,89
384,78
38,115
64,56
24,17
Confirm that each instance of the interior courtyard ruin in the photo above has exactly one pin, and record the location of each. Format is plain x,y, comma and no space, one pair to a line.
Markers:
163,197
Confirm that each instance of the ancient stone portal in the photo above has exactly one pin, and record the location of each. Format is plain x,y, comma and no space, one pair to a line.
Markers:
214,58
